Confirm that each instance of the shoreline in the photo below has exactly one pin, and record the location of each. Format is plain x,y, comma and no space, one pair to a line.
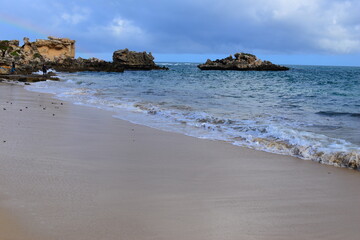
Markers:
88,175
335,147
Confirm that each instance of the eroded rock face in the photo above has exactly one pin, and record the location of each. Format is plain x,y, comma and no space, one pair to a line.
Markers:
241,62
134,60
54,48
32,54
50,49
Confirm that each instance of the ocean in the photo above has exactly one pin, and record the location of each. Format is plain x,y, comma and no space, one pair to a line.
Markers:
311,112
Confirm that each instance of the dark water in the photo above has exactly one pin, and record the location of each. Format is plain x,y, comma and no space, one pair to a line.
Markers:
312,112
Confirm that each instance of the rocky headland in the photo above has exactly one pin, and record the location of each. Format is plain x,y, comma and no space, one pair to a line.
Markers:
59,54
241,62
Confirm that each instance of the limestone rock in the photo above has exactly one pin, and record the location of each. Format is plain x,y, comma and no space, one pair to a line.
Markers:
9,53
30,52
134,60
241,62
59,54
55,48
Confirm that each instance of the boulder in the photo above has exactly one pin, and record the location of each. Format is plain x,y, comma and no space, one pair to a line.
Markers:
241,62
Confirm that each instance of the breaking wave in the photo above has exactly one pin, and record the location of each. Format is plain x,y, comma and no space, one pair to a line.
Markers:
260,135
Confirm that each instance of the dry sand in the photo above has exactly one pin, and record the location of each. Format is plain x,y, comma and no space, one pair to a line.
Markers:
73,172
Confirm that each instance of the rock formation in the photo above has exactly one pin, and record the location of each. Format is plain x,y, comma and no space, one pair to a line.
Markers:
134,60
81,65
9,52
54,48
59,53
241,62
31,56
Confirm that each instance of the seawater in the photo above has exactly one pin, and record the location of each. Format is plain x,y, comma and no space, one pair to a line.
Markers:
311,112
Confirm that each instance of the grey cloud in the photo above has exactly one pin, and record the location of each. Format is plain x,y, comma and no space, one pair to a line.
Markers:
204,26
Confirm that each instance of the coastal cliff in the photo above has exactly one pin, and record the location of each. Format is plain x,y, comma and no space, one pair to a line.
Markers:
241,62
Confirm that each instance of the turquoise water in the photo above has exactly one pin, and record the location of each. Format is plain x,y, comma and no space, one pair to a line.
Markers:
312,112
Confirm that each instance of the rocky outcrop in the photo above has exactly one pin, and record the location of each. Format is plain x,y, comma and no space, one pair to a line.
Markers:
32,55
54,48
241,62
9,53
81,65
131,60
59,53
50,49
122,60
29,53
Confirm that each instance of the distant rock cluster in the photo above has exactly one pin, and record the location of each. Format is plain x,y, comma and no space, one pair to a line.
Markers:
241,62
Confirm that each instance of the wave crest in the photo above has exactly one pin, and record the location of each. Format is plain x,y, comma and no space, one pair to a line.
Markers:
339,159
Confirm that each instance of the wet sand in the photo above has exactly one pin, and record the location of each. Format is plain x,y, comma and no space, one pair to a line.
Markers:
74,172
11,229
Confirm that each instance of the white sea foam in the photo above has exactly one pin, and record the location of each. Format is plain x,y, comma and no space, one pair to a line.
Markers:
40,72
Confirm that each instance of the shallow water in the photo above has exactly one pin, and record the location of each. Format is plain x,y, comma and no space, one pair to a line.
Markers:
312,112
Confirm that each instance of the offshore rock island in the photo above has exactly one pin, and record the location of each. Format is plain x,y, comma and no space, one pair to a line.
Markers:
241,62
59,54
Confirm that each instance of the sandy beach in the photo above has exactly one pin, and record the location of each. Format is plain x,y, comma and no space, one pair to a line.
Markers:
74,172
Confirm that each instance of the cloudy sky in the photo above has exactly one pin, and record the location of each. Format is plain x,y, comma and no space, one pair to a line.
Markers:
325,32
